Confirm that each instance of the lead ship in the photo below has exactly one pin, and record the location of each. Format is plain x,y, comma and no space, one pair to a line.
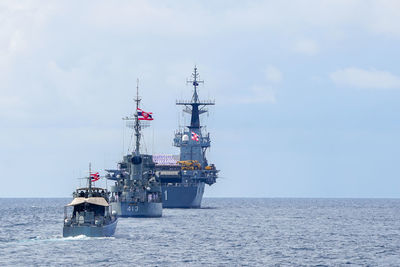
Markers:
137,191
183,180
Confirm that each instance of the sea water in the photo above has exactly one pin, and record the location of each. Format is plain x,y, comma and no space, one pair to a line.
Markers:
225,232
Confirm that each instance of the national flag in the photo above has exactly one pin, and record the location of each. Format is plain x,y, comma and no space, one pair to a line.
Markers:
195,137
95,176
144,116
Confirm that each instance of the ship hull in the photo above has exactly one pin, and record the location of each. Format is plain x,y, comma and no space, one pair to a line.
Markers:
182,196
137,209
90,230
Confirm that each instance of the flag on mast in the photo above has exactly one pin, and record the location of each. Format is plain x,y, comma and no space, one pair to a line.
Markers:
95,176
144,116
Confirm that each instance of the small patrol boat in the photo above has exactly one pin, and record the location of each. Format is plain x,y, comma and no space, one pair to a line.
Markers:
92,215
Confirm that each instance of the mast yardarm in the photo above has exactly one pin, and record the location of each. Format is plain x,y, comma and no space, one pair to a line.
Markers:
195,107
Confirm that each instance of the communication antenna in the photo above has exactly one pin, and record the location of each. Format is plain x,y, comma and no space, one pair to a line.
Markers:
195,82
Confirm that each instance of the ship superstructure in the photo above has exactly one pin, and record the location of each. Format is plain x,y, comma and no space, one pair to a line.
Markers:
183,178
137,190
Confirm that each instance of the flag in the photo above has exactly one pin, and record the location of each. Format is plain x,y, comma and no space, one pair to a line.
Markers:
195,137
95,176
144,116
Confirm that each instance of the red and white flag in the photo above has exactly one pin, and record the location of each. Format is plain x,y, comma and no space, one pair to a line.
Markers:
144,116
195,137
95,176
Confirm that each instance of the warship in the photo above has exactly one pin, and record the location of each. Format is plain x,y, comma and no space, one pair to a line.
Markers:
137,190
183,177
91,215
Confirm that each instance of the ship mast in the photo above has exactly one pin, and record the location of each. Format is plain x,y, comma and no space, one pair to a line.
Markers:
197,145
195,82
195,107
137,123
90,179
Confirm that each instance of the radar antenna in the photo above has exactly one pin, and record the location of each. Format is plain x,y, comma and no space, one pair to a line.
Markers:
195,82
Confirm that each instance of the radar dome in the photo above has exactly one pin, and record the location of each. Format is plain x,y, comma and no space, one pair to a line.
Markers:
185,138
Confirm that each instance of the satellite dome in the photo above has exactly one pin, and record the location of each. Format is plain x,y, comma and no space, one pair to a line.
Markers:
185,138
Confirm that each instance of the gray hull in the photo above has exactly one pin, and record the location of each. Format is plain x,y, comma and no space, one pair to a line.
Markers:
182,196
90,230
135,209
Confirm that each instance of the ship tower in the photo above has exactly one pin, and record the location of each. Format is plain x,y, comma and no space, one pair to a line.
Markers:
183,180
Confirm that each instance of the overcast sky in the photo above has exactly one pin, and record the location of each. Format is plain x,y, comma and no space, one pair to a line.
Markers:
307,92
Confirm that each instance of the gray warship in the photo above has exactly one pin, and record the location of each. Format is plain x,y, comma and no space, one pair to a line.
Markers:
91,215
137,190
183,177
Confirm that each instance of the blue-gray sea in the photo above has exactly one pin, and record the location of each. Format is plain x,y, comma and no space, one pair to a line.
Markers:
225,232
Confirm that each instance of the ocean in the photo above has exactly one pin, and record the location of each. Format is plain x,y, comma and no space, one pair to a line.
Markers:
225,232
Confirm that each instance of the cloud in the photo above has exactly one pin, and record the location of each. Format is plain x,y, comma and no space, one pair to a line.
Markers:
307,47
273,74
262,92
210,18
385,17
360,78
257,95
73,64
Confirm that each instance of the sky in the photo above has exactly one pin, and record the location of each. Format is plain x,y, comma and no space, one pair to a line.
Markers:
307,92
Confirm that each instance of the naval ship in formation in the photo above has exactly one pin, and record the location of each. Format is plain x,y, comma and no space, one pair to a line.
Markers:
91,215
144,186
137,190
183,177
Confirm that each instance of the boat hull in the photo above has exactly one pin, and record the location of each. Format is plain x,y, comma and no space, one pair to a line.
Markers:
182,196
137,209
90,230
